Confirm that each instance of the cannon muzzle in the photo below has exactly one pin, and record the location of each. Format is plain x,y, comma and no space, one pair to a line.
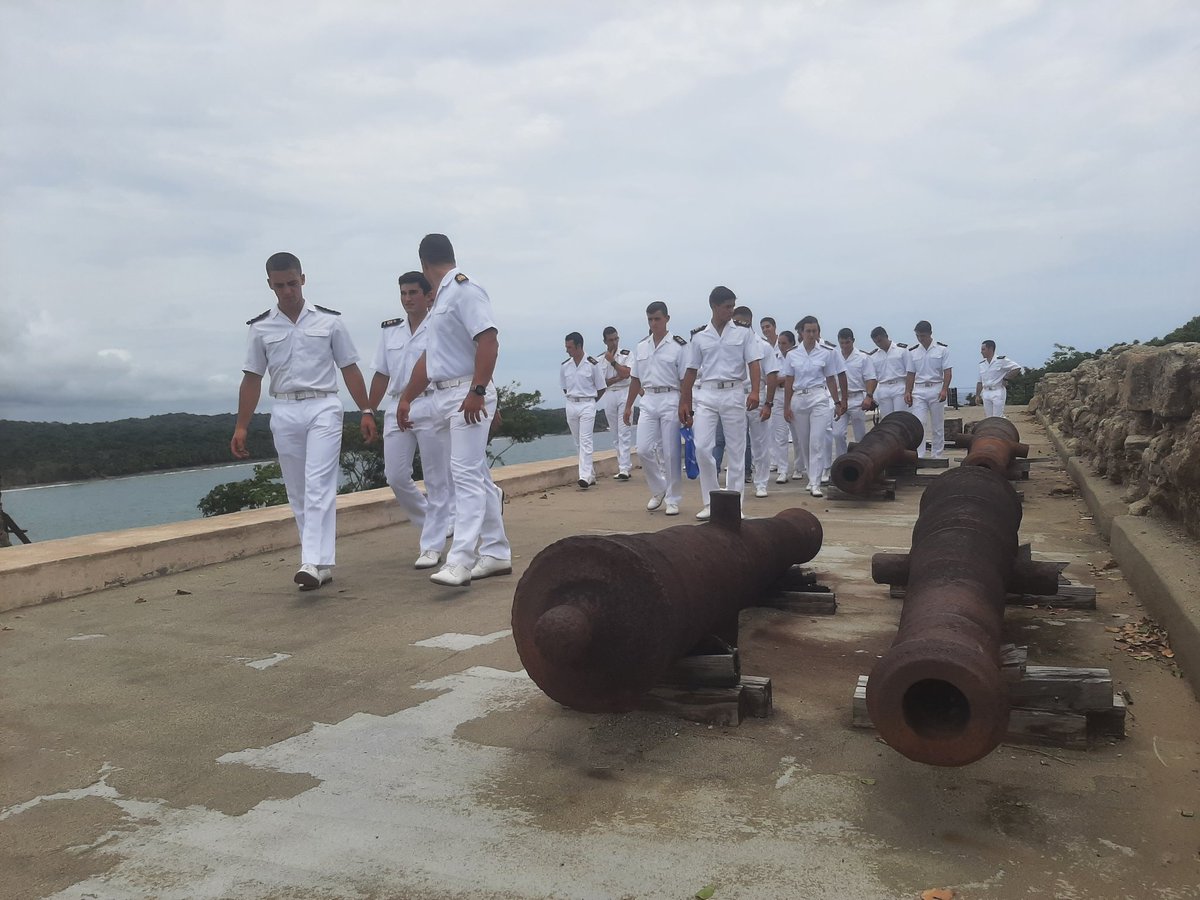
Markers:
893,441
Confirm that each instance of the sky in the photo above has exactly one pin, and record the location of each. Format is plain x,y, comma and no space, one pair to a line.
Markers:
1023,171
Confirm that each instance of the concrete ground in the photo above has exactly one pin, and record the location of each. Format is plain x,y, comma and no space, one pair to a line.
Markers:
215,733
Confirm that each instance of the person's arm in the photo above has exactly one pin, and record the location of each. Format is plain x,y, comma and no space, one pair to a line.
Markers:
248,394
789,382
418,381
945,391
685,397
379,383
598,381
910,379
635,390
872,384
844,386
487,351
622,372
831,381
357,387
769,403
755,379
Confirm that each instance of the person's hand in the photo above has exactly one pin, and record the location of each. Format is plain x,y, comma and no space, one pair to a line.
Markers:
403,408
868,404
628,417
367,426
237,446
473,408
751,402
787,413
764,413
908,401
942,395
685,412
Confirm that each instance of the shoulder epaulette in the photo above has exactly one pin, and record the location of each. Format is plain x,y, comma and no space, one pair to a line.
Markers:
940,344
626,353
680,341
1001,357
461,278
742,324
827,345
593,361
901,346
565,361
389,323
871,352
326,309
699,328
259,317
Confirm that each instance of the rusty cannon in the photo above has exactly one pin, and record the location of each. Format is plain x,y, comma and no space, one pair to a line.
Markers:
993,443
894,441
938,695
598,619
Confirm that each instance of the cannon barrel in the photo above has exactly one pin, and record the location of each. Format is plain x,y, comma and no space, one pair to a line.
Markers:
893,441
938,696
993,443
598,619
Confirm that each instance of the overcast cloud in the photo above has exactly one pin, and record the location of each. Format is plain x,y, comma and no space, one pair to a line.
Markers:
1026,171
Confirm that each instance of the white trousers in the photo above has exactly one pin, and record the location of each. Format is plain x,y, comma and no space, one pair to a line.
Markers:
827,446
811,414
478,526
855,418
932,415
431,512
993,400
658,426
780,432
613,404
308,439
581,419
761,444
729,408
890,397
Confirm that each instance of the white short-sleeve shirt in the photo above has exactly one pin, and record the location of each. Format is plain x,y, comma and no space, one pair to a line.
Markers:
399,349
891,365
723,355
625,358
583,380
930,364
809,369
461,312
991,374
660,365
768,365
304,355
859,370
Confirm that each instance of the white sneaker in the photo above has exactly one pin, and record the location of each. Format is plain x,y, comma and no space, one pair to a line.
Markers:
815,490
703,514
309,577
655,502
489,566
672,509
621,476
760,492
796,476
825,477
452,576
427,560
782,478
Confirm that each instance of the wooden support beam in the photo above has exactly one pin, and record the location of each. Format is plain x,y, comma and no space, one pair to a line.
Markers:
711,706
807,603
1054,688
756,695
705,670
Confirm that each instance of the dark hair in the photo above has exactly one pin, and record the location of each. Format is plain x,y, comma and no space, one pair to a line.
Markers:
657,307
878,331
575,338
743,311
807,320
720,294
608,329
418,279
845,333
435,250
765,320
791,337
283,262
990,344
923,327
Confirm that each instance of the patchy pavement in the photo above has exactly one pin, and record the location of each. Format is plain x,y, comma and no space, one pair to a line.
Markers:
216,733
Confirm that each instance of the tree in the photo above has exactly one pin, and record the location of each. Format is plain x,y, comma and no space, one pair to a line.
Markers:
362,463
1065,358
1189,331
519,422
261,489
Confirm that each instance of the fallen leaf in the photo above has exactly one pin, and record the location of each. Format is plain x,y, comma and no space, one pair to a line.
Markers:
705,892
140,600
937,894
867,780
1112,629
1168,653
1187,813
182,593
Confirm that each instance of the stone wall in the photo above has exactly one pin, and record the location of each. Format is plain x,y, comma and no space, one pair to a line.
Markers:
1132,414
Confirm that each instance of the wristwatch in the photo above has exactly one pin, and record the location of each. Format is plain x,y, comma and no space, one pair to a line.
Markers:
480,389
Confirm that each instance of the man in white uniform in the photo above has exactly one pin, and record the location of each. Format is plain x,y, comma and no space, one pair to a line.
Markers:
721,354
837,411
860,380
785,345
458,363
758,421
891,371
400,346
810,383
302,347
994,371
659,364
927,386
617,367
582,381
777,427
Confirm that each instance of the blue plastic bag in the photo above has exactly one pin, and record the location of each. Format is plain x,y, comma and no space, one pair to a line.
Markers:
690,466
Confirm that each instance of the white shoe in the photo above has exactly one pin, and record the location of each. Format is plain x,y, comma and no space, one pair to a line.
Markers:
489,566
309,577
760,492
703,514
655,502
452,576
621,476
427,560
796,476
825,477
782,478
672,509
815,490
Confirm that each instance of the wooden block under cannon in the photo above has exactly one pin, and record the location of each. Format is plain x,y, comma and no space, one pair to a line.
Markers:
705,670
884,489
704,699
1069,596
1018,470
805,603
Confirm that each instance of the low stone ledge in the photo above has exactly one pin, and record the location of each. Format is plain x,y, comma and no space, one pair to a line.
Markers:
54,570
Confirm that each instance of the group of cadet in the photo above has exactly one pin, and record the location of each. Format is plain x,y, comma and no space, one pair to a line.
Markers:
744,393
435,369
